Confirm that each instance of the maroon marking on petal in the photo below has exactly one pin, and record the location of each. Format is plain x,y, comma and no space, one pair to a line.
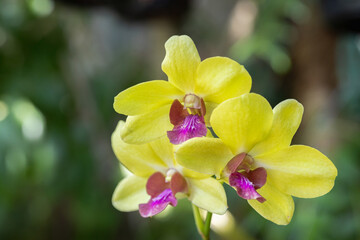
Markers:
177,113
178,183
203,108
244,187
192,126
156,184
257,177
234,163
157,204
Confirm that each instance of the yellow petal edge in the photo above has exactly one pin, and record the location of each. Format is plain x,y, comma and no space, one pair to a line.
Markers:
208,194
129,193
180,62
145,97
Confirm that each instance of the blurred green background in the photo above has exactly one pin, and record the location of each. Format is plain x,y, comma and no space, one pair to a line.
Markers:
62,63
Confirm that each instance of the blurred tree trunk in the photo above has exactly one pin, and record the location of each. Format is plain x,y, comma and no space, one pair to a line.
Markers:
313,79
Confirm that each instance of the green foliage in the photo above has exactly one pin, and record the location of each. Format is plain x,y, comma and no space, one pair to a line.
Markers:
273,33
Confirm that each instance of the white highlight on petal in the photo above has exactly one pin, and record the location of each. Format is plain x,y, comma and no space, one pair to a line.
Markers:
223,223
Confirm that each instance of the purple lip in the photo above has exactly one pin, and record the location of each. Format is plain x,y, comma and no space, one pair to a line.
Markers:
157,204
186,125
162,193
192,126
244,187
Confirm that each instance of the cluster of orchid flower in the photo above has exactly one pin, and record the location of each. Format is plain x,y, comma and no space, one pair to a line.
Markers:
167,145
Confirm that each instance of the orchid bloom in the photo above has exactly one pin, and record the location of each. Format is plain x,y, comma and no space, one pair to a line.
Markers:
194,89
254,156
158,181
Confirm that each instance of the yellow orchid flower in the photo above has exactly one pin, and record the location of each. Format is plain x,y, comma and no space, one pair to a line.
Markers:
158,181
253,155
194,85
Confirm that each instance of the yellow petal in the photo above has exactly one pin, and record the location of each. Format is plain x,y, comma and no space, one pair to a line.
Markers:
164,150
278,207
242,122
181,61
300,171
287,118
129,193
208,194
193,174
220,78
146,97
204,155
139,159
147,127
210,106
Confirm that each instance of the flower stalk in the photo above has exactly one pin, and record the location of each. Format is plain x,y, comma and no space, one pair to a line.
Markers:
207,225
202,227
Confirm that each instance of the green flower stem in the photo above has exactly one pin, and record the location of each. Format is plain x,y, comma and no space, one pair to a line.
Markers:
203,228
206,229
198,221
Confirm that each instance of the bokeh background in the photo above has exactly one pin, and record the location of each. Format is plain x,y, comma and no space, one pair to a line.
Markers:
62,63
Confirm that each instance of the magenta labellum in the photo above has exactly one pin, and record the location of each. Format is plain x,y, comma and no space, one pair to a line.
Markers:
158,204
245,181
187,125
162,193
192,126
244,187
